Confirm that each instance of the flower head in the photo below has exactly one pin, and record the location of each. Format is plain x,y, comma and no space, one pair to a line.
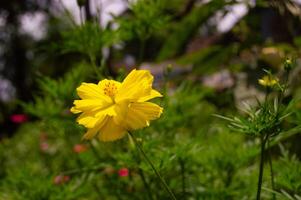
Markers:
18,118
109,109
123,172
268,81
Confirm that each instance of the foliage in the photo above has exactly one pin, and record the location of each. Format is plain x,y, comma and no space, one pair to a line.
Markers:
199,155
147,17
187,28
56,94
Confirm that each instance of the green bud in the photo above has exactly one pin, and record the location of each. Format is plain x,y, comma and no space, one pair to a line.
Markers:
167,70
288,64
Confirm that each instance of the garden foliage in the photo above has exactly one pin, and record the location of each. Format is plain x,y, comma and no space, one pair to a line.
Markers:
205,145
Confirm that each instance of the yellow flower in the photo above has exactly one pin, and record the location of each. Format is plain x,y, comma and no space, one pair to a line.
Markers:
109,109
268,81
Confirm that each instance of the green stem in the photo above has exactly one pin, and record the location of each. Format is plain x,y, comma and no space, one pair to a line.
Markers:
83,170
95,151
172,196
282,93
93,63
271,171
263,142
142,176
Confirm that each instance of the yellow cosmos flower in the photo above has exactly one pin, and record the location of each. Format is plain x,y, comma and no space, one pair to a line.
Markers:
109,109
268,81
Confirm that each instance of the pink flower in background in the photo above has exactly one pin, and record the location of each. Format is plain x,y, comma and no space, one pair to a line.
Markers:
44,146
60,179
79,148
18,118
123,172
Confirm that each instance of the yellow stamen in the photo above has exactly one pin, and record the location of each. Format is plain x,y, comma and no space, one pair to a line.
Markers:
110,89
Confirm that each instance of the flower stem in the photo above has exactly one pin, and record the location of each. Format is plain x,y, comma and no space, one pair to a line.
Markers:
84,170
95,68
172,196
142,176
271,170
263,142
94,150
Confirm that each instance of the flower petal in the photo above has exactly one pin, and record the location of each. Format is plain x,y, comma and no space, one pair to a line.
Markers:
91,91
111,131
140,113
87,119
110,111
74,110
153,94
136,85
94,131
122,110
91,104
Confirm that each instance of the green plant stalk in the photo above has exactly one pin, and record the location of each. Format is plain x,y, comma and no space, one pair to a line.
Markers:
171,194
84,170
261,165
142,176
93,63
94,150
271,171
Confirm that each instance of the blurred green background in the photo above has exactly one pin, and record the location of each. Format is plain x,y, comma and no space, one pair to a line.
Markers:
206,57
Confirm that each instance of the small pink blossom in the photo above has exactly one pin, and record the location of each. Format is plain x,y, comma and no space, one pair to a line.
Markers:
79,148
123,172
60,179
44,146
18,118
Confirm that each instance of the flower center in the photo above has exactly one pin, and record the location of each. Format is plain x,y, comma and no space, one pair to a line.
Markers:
110,89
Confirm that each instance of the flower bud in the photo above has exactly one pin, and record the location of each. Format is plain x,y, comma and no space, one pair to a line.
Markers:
268,81
167,70
288,64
